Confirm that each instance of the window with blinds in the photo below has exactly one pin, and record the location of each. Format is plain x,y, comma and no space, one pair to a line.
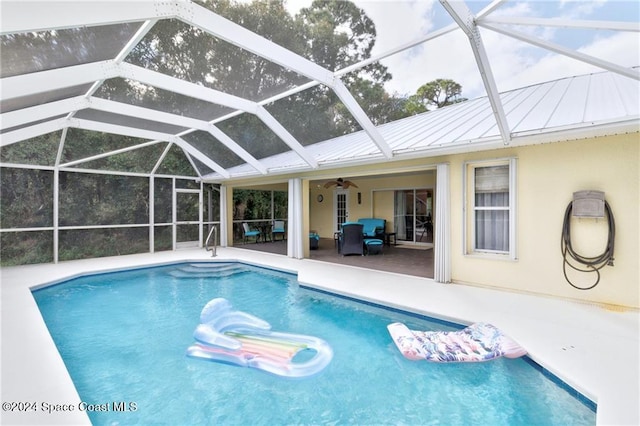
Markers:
491,193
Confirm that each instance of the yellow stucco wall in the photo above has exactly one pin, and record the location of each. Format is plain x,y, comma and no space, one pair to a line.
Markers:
547,177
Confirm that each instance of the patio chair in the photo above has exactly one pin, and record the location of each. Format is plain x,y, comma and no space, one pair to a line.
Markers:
250,233
278,229
352,239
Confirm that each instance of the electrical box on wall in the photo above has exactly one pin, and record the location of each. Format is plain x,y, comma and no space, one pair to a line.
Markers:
588,204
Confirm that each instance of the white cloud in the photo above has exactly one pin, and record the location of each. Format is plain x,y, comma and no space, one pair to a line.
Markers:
398,21
579,9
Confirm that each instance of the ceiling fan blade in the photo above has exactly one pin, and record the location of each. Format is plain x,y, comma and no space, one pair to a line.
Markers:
340,183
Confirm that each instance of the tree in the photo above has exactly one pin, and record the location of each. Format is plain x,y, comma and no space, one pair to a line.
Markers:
340,34
380,106
434,94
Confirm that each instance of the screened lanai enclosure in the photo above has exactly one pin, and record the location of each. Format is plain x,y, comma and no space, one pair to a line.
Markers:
125,124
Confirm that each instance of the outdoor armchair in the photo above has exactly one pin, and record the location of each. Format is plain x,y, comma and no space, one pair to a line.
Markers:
248,232
278,229
351,239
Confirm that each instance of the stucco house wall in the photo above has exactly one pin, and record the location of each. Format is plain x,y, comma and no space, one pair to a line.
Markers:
547,176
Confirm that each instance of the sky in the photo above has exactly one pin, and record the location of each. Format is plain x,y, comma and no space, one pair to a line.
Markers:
513,63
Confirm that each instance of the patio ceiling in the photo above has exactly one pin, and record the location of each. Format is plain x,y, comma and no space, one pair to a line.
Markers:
60,86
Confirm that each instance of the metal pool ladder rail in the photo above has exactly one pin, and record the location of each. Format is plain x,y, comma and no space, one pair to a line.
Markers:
214,232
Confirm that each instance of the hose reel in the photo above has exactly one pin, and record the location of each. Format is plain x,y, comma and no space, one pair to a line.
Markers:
589,204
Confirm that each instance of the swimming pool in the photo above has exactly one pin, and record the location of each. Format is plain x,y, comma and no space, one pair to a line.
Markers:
123,338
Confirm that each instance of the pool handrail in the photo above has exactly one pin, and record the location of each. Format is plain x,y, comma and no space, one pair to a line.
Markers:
214,231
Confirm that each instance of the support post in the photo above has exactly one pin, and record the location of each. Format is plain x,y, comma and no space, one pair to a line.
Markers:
442,246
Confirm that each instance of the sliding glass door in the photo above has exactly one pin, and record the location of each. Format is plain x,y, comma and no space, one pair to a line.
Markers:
413,215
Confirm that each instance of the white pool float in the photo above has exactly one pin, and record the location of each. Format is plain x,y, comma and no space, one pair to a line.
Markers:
238,338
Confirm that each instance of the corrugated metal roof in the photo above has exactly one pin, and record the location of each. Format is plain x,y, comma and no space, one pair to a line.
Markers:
557,107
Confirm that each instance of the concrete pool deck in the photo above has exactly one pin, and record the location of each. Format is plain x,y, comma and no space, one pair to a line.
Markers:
594,350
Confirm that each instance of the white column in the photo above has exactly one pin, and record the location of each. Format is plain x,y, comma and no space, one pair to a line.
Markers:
56,214
294,223
224,219
442,246
152,210
201,236
174,215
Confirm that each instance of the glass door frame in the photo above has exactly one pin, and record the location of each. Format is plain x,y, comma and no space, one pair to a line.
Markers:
411,213
337,213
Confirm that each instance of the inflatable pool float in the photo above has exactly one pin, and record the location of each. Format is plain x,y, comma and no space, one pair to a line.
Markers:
478,342
238,338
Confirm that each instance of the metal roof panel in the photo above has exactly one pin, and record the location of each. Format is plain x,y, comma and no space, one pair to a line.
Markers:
571,106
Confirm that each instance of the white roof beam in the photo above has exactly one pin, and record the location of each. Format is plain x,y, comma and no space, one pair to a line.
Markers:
466,21
284,134
110,153
186,88
146,113
43,111
562,23
46,81
237,149
361,117
18,17
627,72
398,49
98,126
490,8
137,38
161,158
193,164
195,153
131,44
9,138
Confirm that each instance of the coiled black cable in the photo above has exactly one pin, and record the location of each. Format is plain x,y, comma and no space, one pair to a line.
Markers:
592,264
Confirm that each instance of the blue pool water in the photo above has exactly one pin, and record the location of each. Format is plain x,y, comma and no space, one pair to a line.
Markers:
123,338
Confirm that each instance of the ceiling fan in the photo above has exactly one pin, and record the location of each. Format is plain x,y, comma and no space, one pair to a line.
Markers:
340,183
